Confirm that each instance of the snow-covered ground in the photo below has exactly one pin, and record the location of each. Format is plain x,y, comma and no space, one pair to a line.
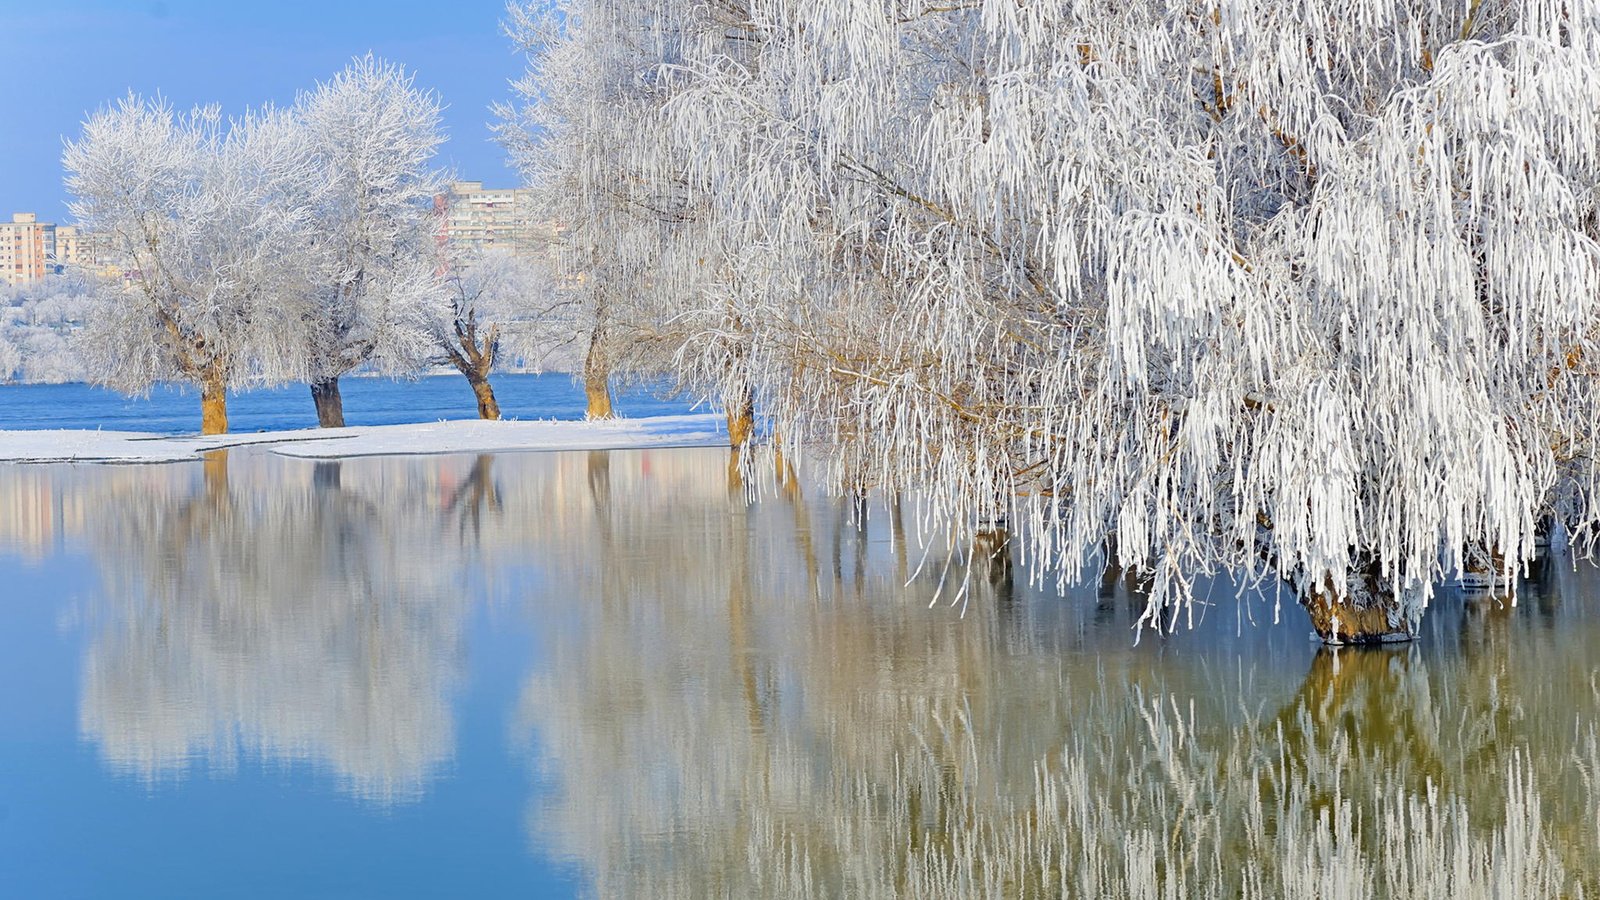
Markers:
371,440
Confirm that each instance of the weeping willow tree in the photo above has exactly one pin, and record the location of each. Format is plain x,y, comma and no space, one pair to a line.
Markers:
586,132
1301,292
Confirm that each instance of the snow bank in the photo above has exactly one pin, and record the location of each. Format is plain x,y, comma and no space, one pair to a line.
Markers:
372,440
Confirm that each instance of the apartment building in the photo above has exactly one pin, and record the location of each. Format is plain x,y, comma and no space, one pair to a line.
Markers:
26,244
475,219
31,249
74,247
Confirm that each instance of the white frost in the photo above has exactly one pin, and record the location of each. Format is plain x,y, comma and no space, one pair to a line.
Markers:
1297,291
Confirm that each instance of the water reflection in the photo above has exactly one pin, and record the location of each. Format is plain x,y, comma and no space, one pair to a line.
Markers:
312,619
729,718
756,699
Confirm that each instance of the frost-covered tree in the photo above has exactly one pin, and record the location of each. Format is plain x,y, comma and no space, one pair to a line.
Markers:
10,359
43,322
369,267
197,205
494,301
584,131
1300,292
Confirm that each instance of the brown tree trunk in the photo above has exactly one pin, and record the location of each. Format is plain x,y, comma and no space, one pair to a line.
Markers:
488,408
1366,611
741,420
897,531
330,406
597,378
214,402
598,390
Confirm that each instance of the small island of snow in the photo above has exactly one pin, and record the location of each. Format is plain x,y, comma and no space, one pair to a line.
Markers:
474,436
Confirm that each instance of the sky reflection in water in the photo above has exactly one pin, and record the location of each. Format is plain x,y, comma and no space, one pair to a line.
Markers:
557,674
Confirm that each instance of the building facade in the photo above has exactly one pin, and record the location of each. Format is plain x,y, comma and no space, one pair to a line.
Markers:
475,220
23,247
74,248
31,249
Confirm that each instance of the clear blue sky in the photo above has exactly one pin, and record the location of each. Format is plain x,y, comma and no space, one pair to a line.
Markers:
60,59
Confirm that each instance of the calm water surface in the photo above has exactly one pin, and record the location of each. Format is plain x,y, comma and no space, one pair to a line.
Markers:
175,409
607,674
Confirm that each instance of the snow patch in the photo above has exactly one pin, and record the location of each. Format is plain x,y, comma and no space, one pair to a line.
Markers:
473,436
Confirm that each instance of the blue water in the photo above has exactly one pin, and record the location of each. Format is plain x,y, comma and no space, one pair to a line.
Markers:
269,824
613,674
175,409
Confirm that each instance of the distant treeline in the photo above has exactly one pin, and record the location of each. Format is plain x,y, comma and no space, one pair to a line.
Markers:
39,324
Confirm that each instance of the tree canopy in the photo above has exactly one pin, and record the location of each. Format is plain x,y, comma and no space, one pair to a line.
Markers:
196,206
1303,291
294,244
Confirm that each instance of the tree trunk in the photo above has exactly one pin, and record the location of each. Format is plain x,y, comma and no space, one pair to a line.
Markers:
214,402
597,378
326,476
488,407
991,553
599,393
1366,611
216,476
330,406
741,420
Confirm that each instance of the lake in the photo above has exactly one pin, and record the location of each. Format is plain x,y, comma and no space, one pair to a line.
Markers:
175,409
614,674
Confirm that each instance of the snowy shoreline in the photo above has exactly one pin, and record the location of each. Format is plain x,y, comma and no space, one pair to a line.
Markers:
465,436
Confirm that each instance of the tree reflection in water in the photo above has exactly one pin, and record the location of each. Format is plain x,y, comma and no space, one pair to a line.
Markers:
726,720
755,699
286,612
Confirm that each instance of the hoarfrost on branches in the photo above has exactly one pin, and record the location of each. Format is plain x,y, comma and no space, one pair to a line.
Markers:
371,282
285,245
42,323
1296,291
495,305
10,359
587,135
197,205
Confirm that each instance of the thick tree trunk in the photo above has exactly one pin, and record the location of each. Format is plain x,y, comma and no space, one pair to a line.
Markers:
1366,611
488,407
598,390
597,378
897,531
214,403
330,406
741,420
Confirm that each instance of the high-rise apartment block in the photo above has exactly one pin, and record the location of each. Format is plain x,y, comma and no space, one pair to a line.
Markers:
31,249
73,247
22,248
477,220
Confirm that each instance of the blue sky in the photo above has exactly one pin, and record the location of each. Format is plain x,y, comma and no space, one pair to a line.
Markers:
64,58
